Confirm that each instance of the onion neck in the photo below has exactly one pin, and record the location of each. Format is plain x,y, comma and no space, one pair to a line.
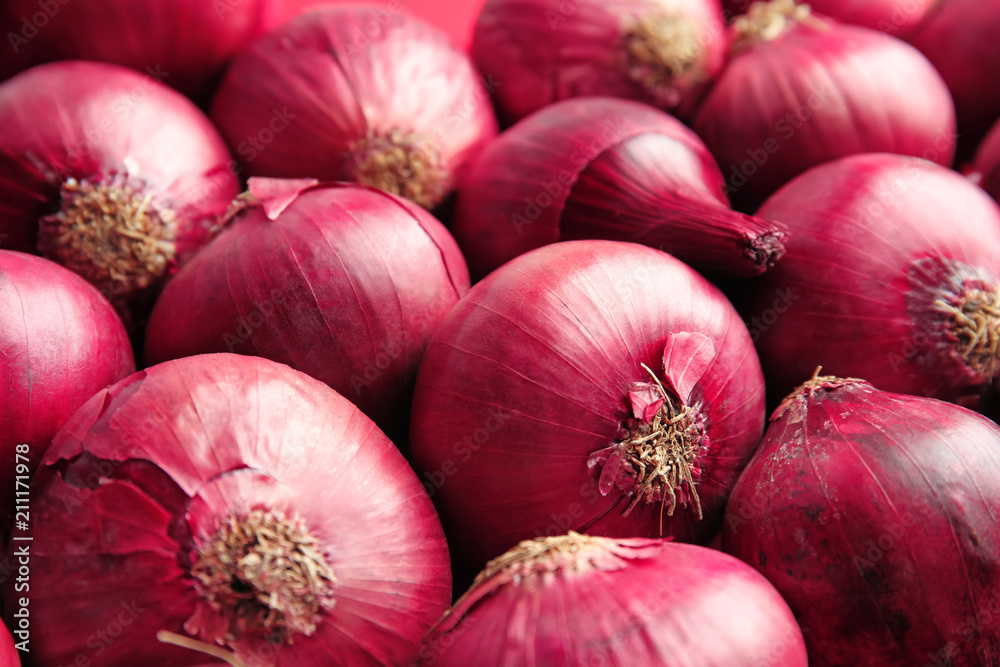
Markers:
662,47
263,572
812,386
766,21
112,233
403,164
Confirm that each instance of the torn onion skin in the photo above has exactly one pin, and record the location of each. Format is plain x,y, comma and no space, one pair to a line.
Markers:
343,282
800,90
612,169
574,600
109,173
235,502
586,385
664,53
892,272
60,343
874,515
329,96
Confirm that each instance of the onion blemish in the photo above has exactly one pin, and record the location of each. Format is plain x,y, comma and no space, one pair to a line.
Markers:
261,571
111,233
404,164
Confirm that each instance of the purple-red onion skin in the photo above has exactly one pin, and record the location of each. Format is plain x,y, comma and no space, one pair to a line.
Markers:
987,162
297,101
819,92
172,447
543,51
346,284
92,120
959,38
893,17
602,168
529,376
60,343
187,43
873,514
643,610
841,295
9,657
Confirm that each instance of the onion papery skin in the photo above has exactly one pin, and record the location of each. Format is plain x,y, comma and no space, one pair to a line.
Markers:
60,343
987,163
893,17
526,389
69,128
543,51
606,168
959,38
342,282
817,92
188,42
137,483
580,600
875,241
401,109
873,514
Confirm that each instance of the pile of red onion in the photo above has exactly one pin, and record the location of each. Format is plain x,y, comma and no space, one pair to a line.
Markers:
610,169
579,600
892,273
800,90
595,386
661,52
228,505
336,94
343,282
874,515
60,343
109,173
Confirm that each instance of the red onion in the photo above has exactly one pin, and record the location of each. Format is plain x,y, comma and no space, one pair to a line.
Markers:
661,52
342,282
873,514
188,42
454,17
801,90
592,601
960,38
161,503
892,273
612,169
893,17
534,413
109,173
986,171
335,96
60,343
